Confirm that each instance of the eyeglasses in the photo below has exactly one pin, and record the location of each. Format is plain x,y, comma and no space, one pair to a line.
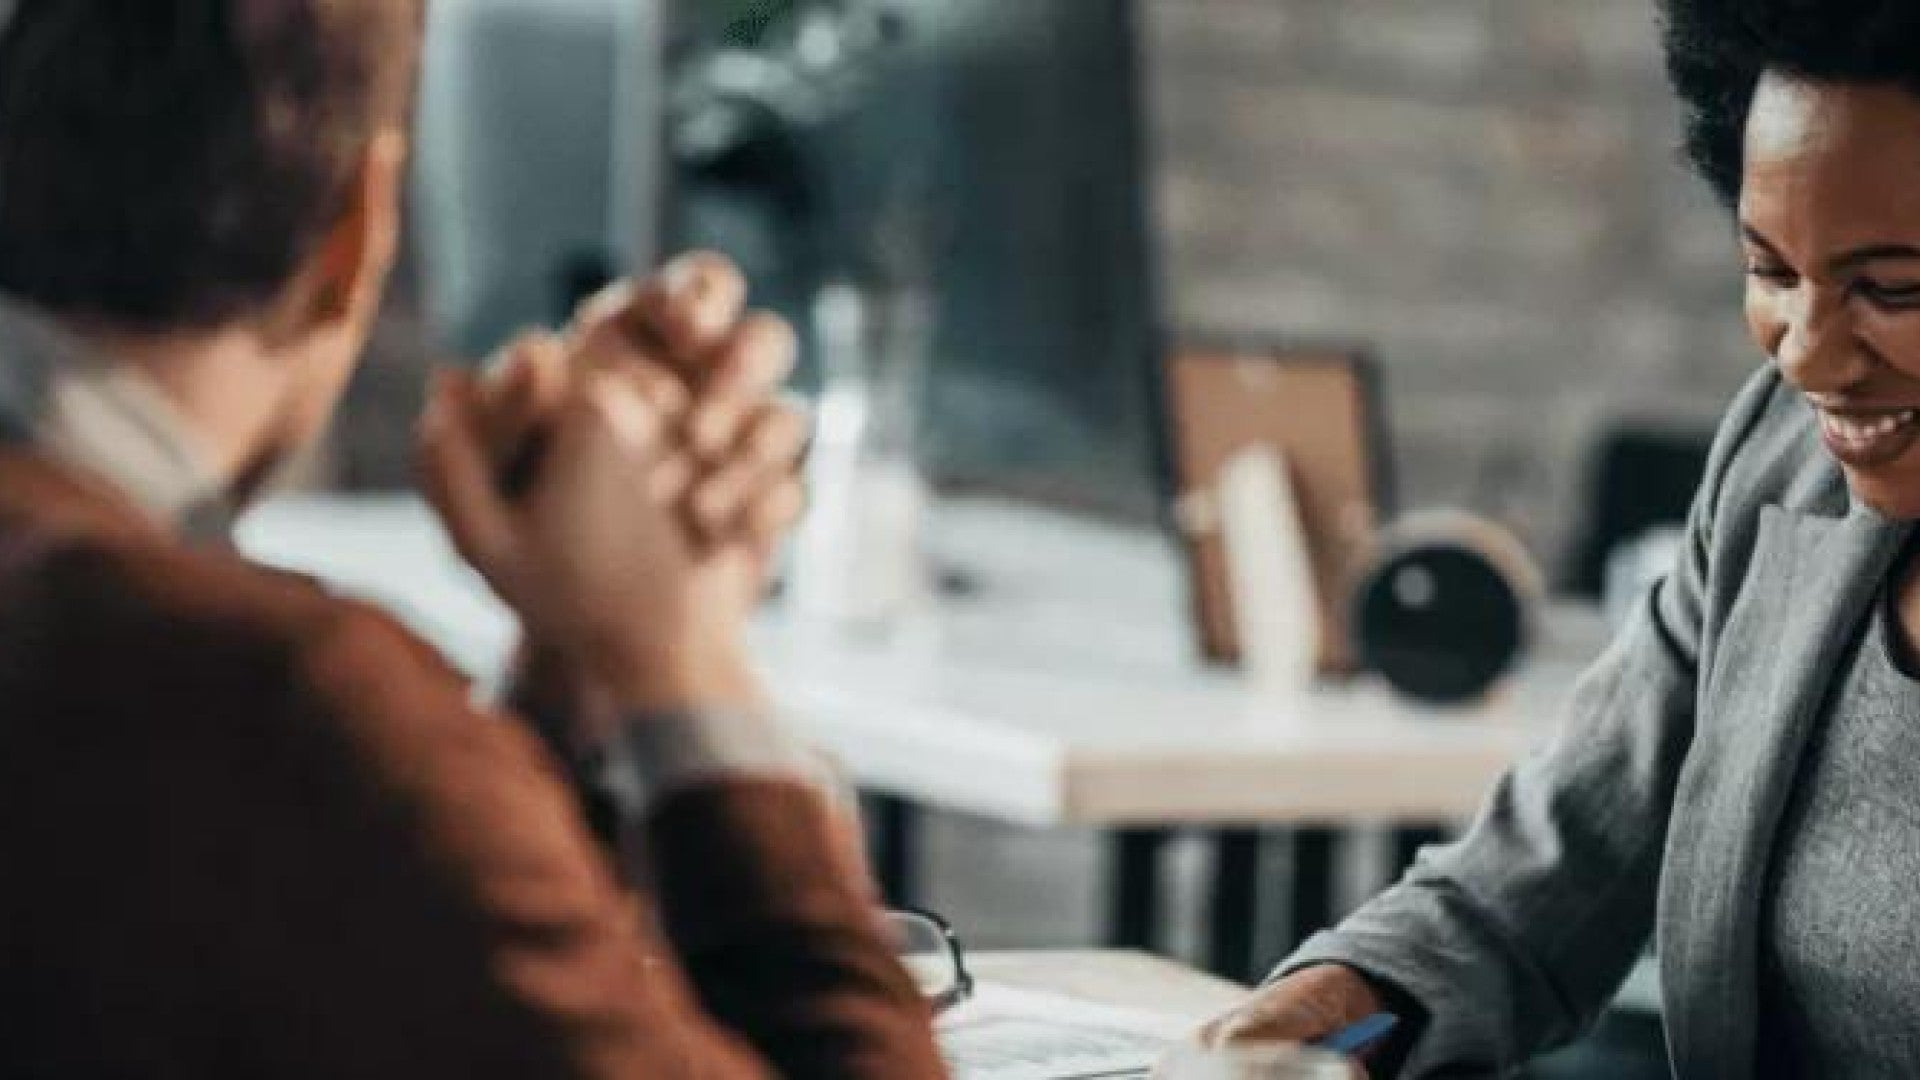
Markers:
931,952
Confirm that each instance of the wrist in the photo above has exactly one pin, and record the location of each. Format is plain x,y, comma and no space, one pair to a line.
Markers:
683,676
1359,997
596,682
563,698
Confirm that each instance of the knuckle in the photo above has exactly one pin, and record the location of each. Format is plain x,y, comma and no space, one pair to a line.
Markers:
758,355
529,341
768,333
783,505
599,346
606,336
544,345
509,354
674,393
661,389
1237,1027
700,297
710,268
1209,1035
801,415
598,409
776,432
519,363
711,504
726,485
612,299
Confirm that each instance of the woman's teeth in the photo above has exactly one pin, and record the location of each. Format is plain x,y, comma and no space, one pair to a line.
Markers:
1884,425
1865,431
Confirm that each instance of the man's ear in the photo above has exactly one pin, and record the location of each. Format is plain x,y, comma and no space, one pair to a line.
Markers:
348,274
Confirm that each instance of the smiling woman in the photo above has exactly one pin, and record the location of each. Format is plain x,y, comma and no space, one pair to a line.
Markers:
1739,772
1830,218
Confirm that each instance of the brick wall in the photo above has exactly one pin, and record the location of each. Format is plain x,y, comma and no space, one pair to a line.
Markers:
1487,191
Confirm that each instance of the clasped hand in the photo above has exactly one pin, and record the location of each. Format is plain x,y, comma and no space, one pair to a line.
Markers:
622,485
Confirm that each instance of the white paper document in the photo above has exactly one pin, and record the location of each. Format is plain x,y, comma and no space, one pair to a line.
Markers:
1007,1034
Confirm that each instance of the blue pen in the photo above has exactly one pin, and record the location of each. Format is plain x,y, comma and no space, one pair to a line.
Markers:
1355,1039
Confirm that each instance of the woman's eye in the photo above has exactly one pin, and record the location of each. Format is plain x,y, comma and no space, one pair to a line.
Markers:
1770,273
1892,293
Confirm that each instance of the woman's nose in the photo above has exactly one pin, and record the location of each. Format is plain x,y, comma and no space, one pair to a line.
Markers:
1819,352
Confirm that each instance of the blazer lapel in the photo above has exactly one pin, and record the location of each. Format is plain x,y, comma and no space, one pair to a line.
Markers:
1811,583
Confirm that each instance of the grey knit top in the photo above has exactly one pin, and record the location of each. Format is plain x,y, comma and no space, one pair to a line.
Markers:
1840,992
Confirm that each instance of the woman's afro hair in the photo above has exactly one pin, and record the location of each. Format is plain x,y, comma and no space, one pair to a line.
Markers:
1717,50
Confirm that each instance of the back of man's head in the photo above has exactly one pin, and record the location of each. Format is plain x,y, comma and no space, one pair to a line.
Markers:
171,164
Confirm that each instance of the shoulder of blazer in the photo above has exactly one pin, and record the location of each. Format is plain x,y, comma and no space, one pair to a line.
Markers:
81,600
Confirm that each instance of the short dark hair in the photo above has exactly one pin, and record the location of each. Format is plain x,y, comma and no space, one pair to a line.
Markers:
169,164
1717,51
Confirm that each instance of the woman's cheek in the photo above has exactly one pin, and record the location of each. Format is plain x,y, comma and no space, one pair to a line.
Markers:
1895,338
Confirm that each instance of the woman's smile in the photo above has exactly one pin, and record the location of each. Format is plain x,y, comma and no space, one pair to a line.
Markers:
1868,438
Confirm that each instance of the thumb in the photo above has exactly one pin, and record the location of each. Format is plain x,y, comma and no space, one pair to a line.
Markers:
458,480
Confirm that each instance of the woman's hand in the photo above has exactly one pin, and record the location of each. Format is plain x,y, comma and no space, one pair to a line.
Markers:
1303,1008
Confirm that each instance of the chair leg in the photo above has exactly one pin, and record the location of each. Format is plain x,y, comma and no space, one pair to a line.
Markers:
1234,914
1134,888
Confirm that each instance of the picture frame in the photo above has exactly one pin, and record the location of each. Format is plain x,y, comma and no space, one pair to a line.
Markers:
1320,407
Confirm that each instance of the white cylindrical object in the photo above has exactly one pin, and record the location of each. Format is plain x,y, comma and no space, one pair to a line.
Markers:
1269,571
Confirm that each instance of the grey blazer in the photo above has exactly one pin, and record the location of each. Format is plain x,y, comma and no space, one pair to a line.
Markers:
1655,807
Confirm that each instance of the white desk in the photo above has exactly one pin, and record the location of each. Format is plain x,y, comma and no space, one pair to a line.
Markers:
1042,715
1063,692
1123,980
1085,1013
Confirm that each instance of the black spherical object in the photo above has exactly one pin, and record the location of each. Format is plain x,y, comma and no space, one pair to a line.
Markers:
1440,621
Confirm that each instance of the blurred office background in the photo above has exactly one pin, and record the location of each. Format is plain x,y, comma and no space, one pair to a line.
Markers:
1486,194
